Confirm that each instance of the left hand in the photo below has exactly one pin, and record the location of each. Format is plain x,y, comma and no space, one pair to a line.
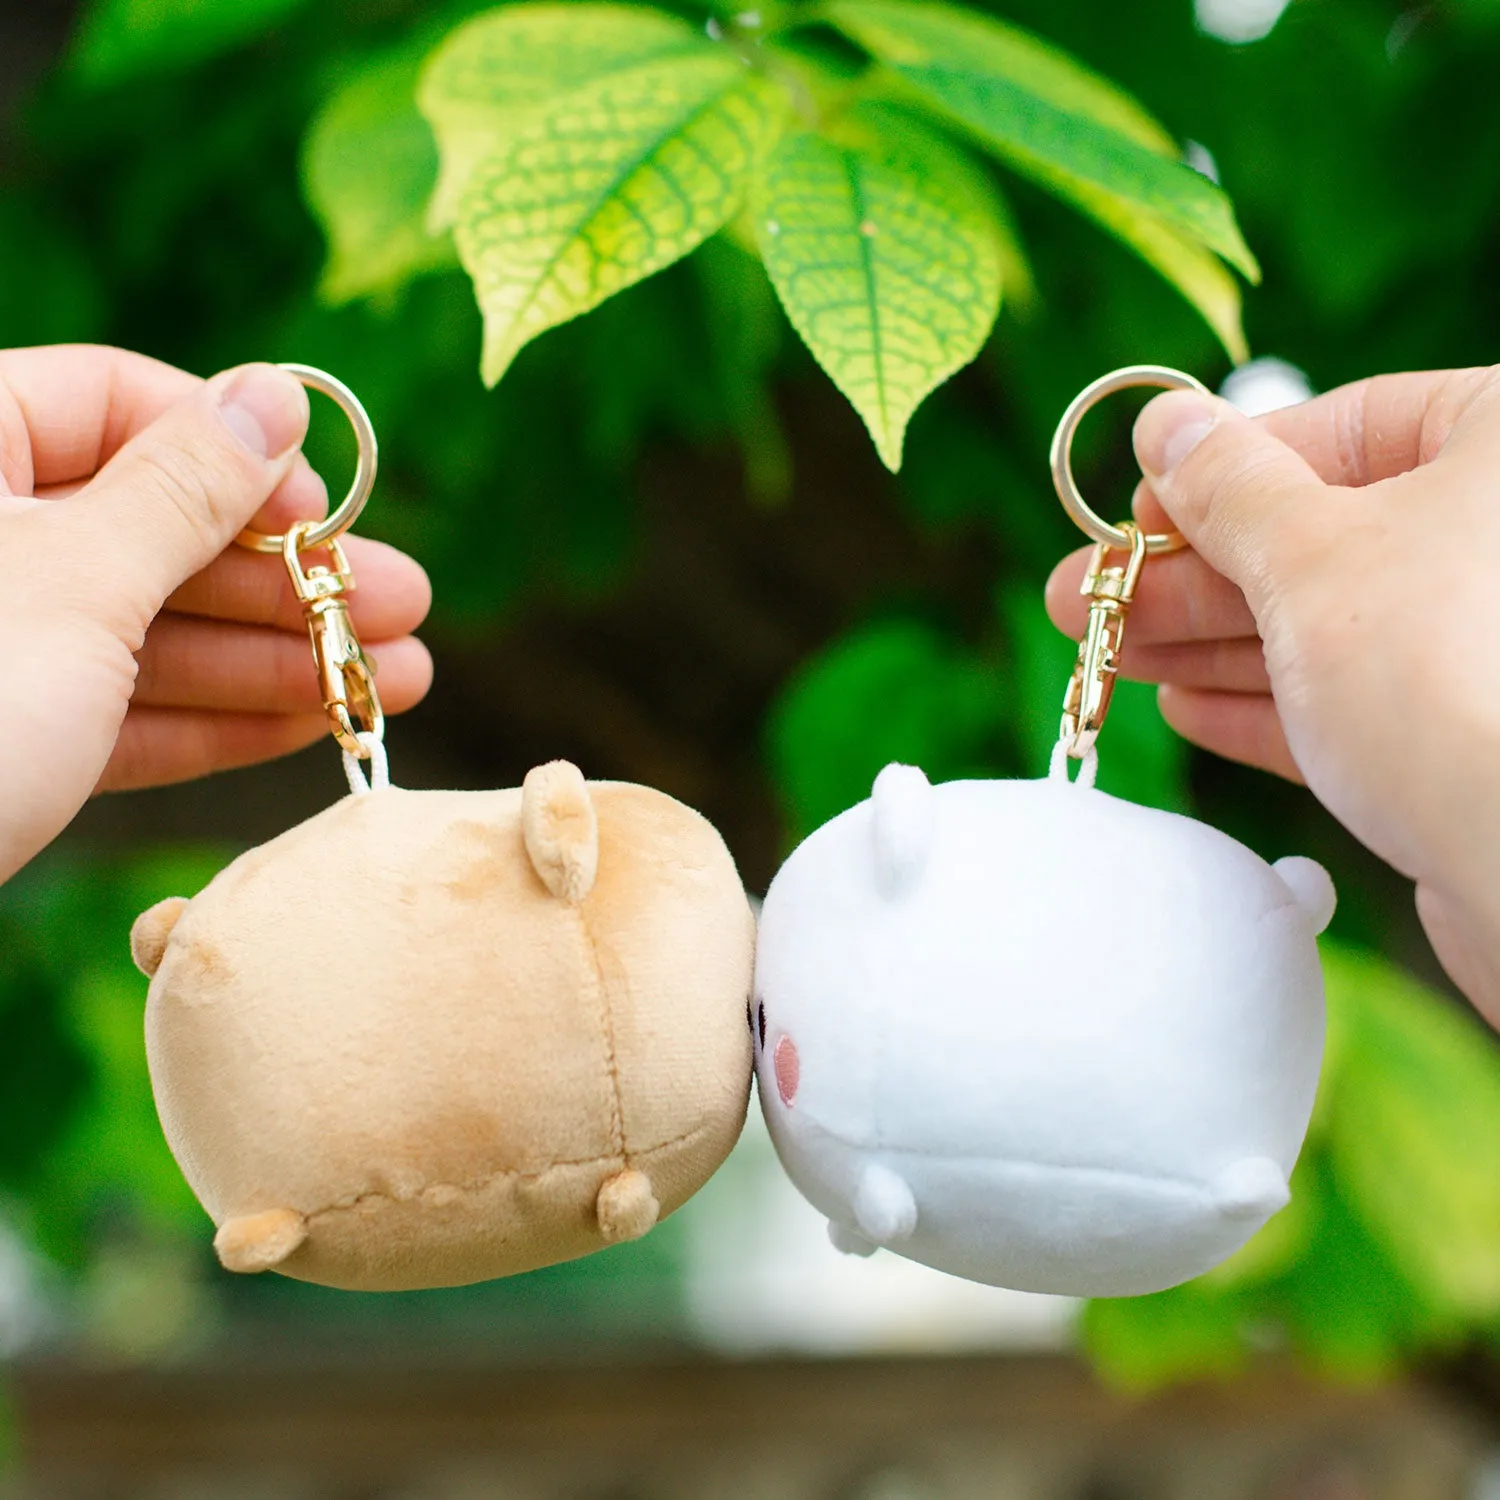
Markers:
138,644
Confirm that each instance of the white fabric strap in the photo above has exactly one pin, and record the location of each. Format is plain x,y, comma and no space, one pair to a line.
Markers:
1088,765
380,768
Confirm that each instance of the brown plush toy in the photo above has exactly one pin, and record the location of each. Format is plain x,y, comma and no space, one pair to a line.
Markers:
429,1038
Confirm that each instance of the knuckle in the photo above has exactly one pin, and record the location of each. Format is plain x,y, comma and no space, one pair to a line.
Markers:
16,472
188,486
1232,487
1271,529
1458,395
1318,625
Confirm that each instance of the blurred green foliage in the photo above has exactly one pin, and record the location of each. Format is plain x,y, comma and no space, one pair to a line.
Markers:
212,182
80,1140
895,690
119,39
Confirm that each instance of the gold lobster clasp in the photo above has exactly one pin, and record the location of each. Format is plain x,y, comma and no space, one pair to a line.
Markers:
1109,591
345,674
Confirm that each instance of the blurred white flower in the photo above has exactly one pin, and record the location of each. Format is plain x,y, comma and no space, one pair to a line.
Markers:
26,1316
1265,385
1197,156
1238,21
1486,1484
146,1299
1403,28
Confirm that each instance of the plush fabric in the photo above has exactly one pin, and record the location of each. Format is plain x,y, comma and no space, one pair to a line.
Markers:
428,1038
1036,1036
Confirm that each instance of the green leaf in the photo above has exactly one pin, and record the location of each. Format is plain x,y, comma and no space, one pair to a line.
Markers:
896,690
1016,275
1042,111
922,35
118,39
369,165
1196,273
494,69
1414,1130
883,243
636,150
1075,134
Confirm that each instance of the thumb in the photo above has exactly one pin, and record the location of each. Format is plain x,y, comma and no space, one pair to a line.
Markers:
179,491
1248,504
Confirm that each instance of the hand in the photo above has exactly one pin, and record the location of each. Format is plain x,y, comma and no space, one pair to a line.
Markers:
1333,622
134,648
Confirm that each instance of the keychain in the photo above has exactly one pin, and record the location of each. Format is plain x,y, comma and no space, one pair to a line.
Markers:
1029,1033
429,1038
350,699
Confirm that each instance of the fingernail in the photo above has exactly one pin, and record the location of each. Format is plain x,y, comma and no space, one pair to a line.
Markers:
266,409
1171,427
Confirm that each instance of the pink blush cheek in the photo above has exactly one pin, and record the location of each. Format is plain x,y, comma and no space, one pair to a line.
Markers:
788,1070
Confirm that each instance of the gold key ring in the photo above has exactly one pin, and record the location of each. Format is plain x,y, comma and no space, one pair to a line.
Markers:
1083,514
344,516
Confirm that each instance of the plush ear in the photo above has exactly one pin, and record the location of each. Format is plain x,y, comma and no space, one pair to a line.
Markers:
1310,886
626,1207
561,829
257,1242
901,801
152,931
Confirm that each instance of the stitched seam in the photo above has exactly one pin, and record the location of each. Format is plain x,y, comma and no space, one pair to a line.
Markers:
481,1183
1114,1174
611,1061
1290,904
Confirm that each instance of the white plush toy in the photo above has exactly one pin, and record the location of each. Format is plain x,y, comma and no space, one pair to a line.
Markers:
1036,1036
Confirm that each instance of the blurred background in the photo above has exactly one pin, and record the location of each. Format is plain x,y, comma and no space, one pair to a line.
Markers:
664,548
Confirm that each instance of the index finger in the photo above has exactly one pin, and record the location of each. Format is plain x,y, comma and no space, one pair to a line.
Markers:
66,408
1379,427
1362,433
1180,598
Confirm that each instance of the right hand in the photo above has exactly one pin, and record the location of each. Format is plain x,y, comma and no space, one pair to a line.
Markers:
1335,620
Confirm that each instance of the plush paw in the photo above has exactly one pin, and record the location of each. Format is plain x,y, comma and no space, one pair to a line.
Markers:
626,1207
1254,1188
849,1240
257,1242
883,1206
